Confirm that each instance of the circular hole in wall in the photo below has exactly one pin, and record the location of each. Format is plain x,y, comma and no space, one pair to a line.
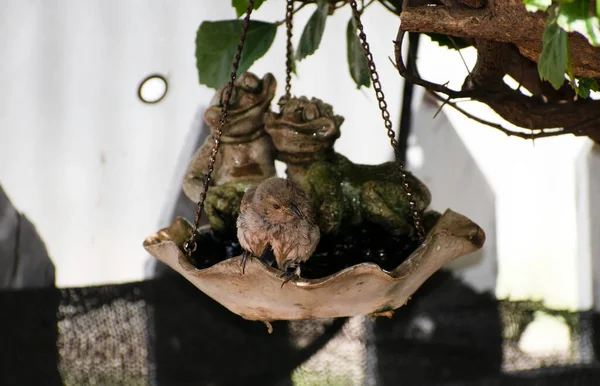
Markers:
153,88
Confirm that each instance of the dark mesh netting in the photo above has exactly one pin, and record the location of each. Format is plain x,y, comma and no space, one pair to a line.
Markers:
166,332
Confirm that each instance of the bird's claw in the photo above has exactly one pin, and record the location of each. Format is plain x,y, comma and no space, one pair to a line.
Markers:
245,256
290,275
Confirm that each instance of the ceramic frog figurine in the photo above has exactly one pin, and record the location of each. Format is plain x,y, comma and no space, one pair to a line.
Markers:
246,154
343,193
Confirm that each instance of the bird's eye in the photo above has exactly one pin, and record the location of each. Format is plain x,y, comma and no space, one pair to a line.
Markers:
275,206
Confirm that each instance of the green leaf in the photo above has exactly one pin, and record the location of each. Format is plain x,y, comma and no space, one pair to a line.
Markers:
242,5
357,63
578,16
553,59
313,31
537,5
570,72
216,45
585,85
447,41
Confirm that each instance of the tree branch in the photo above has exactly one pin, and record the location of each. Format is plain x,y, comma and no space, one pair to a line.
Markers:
506,131
505,21
411,77
581,117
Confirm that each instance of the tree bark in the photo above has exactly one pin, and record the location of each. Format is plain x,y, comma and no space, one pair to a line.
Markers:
505,21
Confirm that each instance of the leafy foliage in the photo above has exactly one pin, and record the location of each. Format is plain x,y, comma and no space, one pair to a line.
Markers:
553,60
242,5
566,16
537,5
570,72
585,85
451,42
579,16
357,63
313,31
216,44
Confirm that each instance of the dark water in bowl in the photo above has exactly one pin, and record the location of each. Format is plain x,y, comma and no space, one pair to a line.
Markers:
367,243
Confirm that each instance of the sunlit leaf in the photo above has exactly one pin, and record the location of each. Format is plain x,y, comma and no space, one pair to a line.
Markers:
579,16
570,72
216,45
553,59
585,85
357,63
313,31
537,5
242,5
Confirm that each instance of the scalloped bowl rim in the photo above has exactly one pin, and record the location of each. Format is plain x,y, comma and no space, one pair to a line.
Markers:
256,294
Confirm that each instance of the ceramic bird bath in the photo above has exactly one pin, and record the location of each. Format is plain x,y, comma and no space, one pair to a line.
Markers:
362,289
346,196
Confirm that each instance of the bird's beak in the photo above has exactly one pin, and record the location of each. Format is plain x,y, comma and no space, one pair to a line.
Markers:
296,211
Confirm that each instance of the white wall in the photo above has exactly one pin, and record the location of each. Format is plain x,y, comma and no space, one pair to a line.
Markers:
87,162
588,220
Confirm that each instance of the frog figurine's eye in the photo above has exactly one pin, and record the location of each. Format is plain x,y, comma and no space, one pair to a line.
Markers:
311,112
250,82
234,97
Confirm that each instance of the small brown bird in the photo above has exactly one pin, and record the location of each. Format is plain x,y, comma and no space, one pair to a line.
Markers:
278,213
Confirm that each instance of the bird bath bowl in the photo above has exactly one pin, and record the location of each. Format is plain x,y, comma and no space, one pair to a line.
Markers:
361,289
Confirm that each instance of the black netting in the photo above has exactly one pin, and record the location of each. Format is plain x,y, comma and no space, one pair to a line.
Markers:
166,332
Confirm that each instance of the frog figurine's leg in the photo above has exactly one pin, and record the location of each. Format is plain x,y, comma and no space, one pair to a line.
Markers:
223,206
193,181
327,196
385,203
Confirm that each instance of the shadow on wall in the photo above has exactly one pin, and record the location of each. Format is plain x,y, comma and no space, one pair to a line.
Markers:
28,302
24,261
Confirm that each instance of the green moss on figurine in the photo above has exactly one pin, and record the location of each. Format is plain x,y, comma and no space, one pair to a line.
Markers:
343,193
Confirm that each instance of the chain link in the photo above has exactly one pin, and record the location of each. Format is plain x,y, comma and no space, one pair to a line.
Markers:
387,122
289,14
190,245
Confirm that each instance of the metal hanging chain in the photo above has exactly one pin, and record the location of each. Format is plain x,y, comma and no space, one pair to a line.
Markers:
289,14
190,245
388,123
